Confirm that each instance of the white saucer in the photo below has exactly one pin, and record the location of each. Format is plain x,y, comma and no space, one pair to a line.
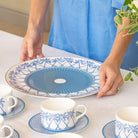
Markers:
16,110
109,130
15,134
35,124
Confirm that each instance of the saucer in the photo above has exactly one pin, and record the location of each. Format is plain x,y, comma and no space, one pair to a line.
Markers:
35,124
15,134
109,130
16,110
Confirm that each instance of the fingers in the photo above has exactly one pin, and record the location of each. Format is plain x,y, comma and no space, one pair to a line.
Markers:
23,53
110,89
121,82
102,79
39,52
106,87
41,55
118,83
113,91
23,57
30,51
32,45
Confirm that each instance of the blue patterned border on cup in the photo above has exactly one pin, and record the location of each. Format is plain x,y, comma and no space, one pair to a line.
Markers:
2,106
126,131
58,122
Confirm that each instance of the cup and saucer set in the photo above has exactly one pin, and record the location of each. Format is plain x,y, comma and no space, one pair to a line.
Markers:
125,124
10,106
59,79
59,115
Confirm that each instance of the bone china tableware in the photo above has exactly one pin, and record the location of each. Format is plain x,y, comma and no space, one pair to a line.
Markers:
108,130
100,111
59,114
126,125
16,110
7,101
35,124
3,128
55,77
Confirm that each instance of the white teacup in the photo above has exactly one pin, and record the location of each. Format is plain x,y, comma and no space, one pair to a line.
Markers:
127,122
3,127
59,114
7,101
65,135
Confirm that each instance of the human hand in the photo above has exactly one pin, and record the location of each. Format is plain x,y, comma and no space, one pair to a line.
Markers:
32,45
110,78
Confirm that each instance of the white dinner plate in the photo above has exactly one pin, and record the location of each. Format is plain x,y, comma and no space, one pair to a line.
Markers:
55,77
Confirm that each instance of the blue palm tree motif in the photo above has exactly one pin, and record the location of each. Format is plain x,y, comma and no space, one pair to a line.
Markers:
2,105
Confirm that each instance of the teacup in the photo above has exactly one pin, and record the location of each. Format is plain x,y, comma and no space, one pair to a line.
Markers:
65,135
7,101
5,127
59,114
127,122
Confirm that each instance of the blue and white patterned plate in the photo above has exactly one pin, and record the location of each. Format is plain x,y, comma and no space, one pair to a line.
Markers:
15,134
109,130
35,124
55,77
17,109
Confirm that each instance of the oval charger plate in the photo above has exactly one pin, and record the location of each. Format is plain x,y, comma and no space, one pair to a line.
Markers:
55,77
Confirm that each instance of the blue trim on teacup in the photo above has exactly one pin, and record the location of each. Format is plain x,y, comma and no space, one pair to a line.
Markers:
47,119
127,129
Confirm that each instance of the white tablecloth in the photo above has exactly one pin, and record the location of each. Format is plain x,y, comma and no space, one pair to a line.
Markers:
100,111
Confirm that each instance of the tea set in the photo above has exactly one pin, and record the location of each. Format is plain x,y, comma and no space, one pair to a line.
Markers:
60,115
10,106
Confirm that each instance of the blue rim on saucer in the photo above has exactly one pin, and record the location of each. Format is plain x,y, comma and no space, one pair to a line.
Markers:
15,134
79,77
35,124
108,130
16,110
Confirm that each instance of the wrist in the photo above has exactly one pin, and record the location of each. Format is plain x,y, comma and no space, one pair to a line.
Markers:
32,27
116,60
35,25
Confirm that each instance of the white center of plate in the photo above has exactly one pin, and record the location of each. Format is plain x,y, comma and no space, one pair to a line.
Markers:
60,81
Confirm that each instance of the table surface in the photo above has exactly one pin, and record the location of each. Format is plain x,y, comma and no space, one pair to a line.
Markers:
100,111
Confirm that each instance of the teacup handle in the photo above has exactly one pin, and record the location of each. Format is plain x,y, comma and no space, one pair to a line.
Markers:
10,130
82,114
15,101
